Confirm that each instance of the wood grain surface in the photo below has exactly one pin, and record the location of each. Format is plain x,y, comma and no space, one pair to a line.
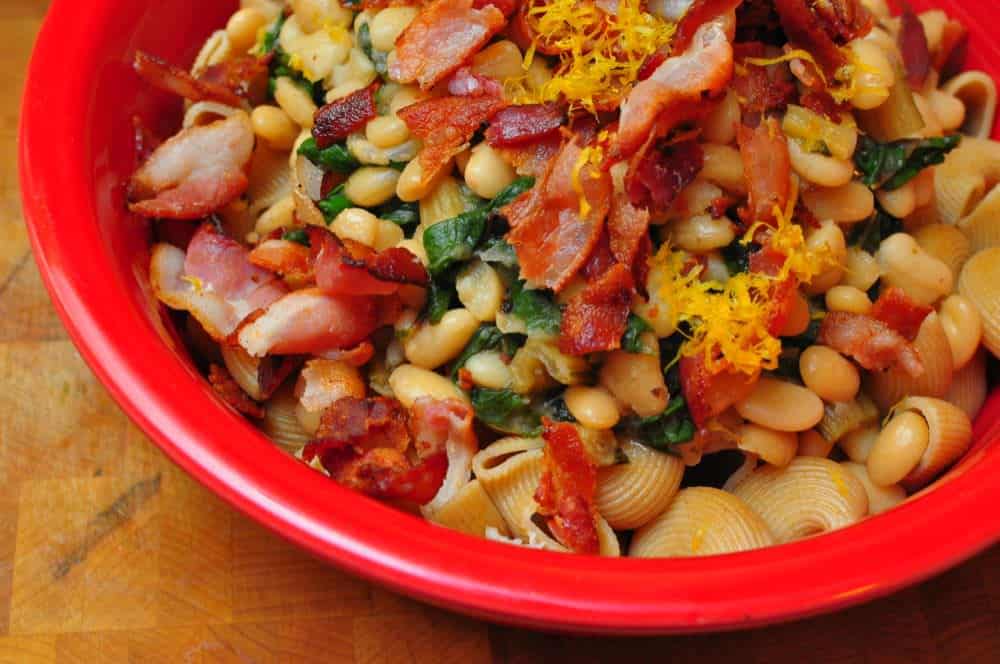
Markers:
108,553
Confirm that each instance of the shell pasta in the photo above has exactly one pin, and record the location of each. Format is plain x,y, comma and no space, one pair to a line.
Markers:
609,278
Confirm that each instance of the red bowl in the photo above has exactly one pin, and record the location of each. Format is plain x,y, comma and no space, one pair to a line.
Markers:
77,150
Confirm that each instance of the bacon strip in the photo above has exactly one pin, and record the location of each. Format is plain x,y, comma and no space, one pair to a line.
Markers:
628,225
698,14
900,312
348,268
214,281
517,126
175,80
284,257
227,388
804,30
342,117
913,47
657,175
566,492
552,235
365,424
872,343
767,168
446,125
467,83
441,39
709,394
445,427
678,89
196,172
595,320
762,89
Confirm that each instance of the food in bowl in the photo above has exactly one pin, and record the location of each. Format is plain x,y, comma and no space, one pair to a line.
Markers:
655,279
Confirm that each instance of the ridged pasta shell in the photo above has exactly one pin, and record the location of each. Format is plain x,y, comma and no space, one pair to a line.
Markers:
216,49
965,176
458,475
970,387
842,418
471,511
809,497
308,178
979,282
982,225
306,211
946,243
207,112
270,179
889,386
701,521
880,498
510,470
444,202
951,435
632,494
280,422
244,369
978,92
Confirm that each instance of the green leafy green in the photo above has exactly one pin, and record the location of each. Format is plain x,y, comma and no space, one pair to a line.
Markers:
498,250
440,294
298,236
334,203
399,213
487,337
634,329
540,314
556,409
506,411
281,67
270,41
455,240
336,158
737,256
889,166
670,428
869,235
378,58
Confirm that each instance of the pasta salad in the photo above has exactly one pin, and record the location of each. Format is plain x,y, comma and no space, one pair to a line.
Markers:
614,277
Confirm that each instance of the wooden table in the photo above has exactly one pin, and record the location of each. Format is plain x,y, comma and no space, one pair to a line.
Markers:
108,553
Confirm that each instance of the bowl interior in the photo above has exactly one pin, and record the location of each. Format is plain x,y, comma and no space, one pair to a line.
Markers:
94,256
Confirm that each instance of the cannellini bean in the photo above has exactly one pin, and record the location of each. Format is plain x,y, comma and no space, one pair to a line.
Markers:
775,447
410,186
813,444
900,202
907,266
387,235
849,299
898,448
243,27
702,233
295,101
828,238
963,326
861,269
858,444
487,369
874,75
781,406
387,131
487,173
820,169
593,407
275,127
357,225
431,346
500,60
410,383
636,380
480,290
827,373
371,186
388,24
850,203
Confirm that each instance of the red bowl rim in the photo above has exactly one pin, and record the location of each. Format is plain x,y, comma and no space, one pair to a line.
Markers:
926,535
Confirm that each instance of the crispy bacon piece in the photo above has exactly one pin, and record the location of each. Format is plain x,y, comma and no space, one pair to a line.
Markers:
595,319
844,20
516,126
821,102
767,168
284,257
446,125
678,89
348,268
912,42
627,226
658,175
358,356
397,265
214,281
441,39
566,492
600,261
698,14
872,343
445,428
310,321
554,226
387,474
245,75
227,388
342,117
175,80
467,83
196,172
950,58
365,424
762,89
804,30
900,312
708,394
533,159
